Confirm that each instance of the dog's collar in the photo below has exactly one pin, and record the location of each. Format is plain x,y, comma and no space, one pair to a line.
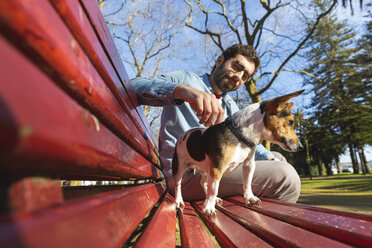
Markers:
236,130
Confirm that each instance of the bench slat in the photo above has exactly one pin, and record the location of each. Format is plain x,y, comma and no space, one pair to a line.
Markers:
193,234
279,233
79,25
345,229
43,127
98,22
161,231
52,47
357,216
228,232
97,221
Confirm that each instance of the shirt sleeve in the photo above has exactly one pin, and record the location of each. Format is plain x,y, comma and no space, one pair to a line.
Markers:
262,153
157,91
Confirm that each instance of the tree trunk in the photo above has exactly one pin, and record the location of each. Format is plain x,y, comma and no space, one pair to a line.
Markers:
250,86
320,167
354,160
363,160
339,170
362,165
266,144
308,164
368,167
328,168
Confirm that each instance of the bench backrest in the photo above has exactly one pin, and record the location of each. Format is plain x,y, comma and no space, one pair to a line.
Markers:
68,112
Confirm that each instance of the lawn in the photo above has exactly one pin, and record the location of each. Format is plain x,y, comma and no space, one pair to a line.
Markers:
346,192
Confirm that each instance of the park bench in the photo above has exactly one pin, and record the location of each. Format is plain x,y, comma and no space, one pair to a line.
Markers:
68,112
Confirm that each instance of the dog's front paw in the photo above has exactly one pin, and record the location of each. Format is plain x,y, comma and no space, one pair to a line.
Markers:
209,210
250,201
180,204
218,201
209,207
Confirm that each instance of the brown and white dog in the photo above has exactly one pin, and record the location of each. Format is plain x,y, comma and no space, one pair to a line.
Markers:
223,147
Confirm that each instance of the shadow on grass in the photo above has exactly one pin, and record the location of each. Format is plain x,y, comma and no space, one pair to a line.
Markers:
353,203
340,184
356,186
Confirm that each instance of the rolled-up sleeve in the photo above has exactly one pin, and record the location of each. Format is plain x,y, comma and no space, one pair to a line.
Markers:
157,91
262,153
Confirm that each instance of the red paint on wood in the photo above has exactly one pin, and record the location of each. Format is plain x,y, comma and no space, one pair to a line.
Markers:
161,231
192,231
47,131
74,16
345,229
34,193
229,233
99,24
323,210
104,220
275,232
39,32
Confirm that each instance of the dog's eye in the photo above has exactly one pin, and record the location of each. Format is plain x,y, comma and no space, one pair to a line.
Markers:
291,123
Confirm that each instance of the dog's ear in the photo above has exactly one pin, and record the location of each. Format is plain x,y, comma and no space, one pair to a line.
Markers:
275,105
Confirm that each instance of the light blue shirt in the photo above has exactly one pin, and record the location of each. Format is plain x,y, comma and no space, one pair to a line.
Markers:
178,116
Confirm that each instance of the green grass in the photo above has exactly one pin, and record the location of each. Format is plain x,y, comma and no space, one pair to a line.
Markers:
346,192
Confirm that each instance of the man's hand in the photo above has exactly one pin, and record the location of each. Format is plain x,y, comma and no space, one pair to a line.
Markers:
205,104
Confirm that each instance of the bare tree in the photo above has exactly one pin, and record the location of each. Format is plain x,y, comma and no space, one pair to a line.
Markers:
262,25
143,32
350,2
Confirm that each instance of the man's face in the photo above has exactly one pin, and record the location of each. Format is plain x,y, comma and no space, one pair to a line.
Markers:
229,75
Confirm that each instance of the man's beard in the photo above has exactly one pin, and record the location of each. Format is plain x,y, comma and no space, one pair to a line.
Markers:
222,82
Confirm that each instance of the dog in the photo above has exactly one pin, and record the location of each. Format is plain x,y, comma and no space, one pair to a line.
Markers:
223,147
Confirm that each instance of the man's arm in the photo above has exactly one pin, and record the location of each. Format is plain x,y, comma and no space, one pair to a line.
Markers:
263,154
172,89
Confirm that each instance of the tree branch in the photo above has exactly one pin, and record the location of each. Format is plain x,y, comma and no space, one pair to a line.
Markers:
297,49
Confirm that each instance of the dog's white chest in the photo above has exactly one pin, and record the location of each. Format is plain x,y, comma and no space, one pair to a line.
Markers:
242,153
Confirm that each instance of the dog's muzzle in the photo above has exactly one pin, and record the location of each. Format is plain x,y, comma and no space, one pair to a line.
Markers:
291,145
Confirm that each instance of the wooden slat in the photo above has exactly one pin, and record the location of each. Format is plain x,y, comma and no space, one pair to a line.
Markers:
193,234
147,127
74,16
228,232
40,33
34,193
105,220
98,22
275,232
44,130
161,231
348,230
323,210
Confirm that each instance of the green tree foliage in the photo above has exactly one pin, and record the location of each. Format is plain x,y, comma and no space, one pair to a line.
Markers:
341,105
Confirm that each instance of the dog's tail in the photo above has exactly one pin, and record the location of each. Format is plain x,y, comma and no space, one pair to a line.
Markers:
175,162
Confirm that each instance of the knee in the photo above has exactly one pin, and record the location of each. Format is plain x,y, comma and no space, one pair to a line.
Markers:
290,184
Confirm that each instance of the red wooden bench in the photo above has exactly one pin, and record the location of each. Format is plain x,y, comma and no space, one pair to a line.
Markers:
68,111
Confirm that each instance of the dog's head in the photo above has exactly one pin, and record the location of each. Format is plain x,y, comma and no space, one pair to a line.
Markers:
279,122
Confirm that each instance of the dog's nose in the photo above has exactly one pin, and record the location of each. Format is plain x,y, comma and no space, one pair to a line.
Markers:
300,147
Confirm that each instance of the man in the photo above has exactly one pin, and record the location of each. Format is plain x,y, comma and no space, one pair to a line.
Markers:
190,101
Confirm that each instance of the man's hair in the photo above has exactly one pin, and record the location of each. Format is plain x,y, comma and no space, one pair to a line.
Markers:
246,50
